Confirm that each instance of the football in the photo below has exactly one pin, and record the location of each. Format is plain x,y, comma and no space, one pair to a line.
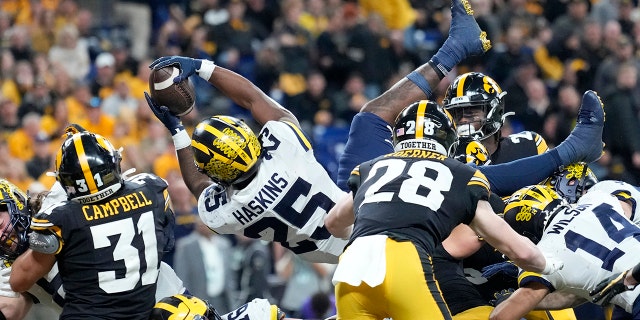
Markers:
178,97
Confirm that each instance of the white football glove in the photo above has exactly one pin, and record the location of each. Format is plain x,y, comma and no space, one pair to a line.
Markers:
553,264
5,287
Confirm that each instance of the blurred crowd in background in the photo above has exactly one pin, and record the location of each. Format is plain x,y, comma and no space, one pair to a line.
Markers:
86,62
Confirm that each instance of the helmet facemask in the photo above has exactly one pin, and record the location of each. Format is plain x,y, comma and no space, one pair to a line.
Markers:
481,92
572,181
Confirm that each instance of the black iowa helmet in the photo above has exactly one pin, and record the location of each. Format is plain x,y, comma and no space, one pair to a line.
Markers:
225,149
183,307
476,90
88,167
425,125
13,237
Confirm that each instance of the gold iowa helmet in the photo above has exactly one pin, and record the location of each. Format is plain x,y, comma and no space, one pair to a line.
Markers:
476,90
425,120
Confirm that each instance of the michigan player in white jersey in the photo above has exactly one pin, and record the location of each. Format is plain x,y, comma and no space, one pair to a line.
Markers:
622,191
594,238
281,204
267,186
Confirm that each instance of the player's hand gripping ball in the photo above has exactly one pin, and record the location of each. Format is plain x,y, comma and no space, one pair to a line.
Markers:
178,97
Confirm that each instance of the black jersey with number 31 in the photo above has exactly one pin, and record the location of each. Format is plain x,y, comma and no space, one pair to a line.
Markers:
110,250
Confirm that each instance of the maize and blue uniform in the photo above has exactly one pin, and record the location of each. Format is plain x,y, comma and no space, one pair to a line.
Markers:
286,202
595,240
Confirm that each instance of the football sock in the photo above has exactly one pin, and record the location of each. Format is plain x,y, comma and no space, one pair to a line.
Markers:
506,178
585,141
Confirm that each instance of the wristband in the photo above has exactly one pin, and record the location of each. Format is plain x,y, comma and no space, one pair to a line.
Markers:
206,69
438,67
420,82
181,139
439,72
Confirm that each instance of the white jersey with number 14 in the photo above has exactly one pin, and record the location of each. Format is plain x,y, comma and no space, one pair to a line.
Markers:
595,240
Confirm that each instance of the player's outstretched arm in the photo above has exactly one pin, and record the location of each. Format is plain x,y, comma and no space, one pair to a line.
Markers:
234,86
519,303
370,131
465,39
340,219
194,179
28,268
517,248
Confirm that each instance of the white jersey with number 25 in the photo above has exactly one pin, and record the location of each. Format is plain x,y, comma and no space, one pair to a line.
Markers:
286,202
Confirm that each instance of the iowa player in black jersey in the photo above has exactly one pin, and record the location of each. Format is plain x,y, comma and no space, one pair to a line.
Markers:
477,105
406,203
108,237
476,102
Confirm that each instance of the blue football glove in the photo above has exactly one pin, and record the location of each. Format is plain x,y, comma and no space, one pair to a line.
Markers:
170,120
507,268
501,296
187,66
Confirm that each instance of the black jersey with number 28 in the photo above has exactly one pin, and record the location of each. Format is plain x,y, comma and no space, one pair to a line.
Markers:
415,195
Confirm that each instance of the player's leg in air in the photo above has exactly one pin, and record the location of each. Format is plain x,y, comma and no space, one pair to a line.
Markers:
370,132
583,144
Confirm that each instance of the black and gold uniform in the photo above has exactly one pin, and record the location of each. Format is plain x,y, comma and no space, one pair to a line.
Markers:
109,251
405,203
464,288
513,147
518,146
477,104
414,198
427,206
